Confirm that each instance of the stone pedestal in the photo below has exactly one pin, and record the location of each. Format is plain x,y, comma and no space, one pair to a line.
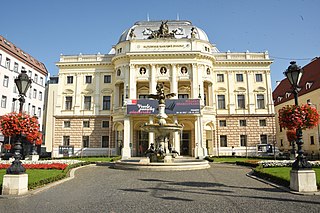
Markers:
303,180
167,159
15,184
34,157
144,160
126,153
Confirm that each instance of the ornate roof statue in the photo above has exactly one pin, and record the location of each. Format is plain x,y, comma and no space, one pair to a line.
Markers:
163,32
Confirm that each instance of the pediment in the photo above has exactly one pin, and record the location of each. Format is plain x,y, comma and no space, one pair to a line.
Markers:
260,89
68,91
106,91
87,91
240,89
221,89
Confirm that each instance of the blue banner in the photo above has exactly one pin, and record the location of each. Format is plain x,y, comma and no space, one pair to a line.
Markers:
173,106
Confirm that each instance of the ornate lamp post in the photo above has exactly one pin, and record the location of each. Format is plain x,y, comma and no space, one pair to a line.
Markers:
294,74
23,83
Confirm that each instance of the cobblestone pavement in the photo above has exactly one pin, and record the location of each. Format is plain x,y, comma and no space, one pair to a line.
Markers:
222,188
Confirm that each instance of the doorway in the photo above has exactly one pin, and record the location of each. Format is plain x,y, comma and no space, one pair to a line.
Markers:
185,143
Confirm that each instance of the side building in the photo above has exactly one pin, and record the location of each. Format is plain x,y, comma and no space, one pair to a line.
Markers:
308,94
12,61
90,113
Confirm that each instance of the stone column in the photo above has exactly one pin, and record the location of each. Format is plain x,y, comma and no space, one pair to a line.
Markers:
132,83
151,134
231,95
126,150
97,101
174,81
200,149
153,82
176,138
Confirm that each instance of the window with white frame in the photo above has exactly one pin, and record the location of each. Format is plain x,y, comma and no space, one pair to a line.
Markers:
88,79
241,101
15,67
66,140
33,110
39,112
239,77
7,65
87,102
40,96
263,122
107,79
68,103
3,101
69,79
259,78
221,102
220,78
41,81
222,123
106,103
260,101
5,81
35,78
34,93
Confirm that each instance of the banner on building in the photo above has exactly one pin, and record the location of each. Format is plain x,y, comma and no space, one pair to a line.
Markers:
173,106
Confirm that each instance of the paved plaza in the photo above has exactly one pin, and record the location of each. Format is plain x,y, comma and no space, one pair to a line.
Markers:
222,188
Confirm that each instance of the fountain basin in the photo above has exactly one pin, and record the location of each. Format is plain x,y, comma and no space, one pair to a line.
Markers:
178,164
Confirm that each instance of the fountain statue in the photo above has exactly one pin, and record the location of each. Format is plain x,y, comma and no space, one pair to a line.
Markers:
161,149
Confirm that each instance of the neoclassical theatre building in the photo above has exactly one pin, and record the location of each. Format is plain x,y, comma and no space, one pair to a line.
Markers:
87,110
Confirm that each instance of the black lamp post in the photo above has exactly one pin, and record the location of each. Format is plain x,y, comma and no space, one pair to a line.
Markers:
294,74
23,82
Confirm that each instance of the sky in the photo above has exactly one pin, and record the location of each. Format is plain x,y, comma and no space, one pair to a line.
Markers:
287,29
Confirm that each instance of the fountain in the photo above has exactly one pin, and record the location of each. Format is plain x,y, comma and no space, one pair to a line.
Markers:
160,154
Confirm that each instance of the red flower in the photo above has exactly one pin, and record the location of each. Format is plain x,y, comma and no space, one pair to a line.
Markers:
7,146
292,135
293,117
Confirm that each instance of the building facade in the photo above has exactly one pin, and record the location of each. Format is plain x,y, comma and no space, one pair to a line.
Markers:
12,61
308,94
89,111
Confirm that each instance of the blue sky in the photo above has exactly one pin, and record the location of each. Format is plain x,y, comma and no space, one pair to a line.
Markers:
288,29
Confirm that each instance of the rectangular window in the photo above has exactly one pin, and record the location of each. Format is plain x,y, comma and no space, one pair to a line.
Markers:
85,141
68,103
312,140
7,65
3,101
258,77
33,110
66,140
221,102
263,139
66,124
243,122
39,112
183,96
87,102
105,141
0,59
16,67
105,124
239,77
241,101
41,81
5,81
243,140
223,141
34,93
35,78
220,78
86,124
107,79
88,79
40,96
222,123
263,122
106,103
29,73
69,79
260,101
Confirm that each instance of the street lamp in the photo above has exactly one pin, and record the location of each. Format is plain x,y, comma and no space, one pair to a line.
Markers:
294,74
23,82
